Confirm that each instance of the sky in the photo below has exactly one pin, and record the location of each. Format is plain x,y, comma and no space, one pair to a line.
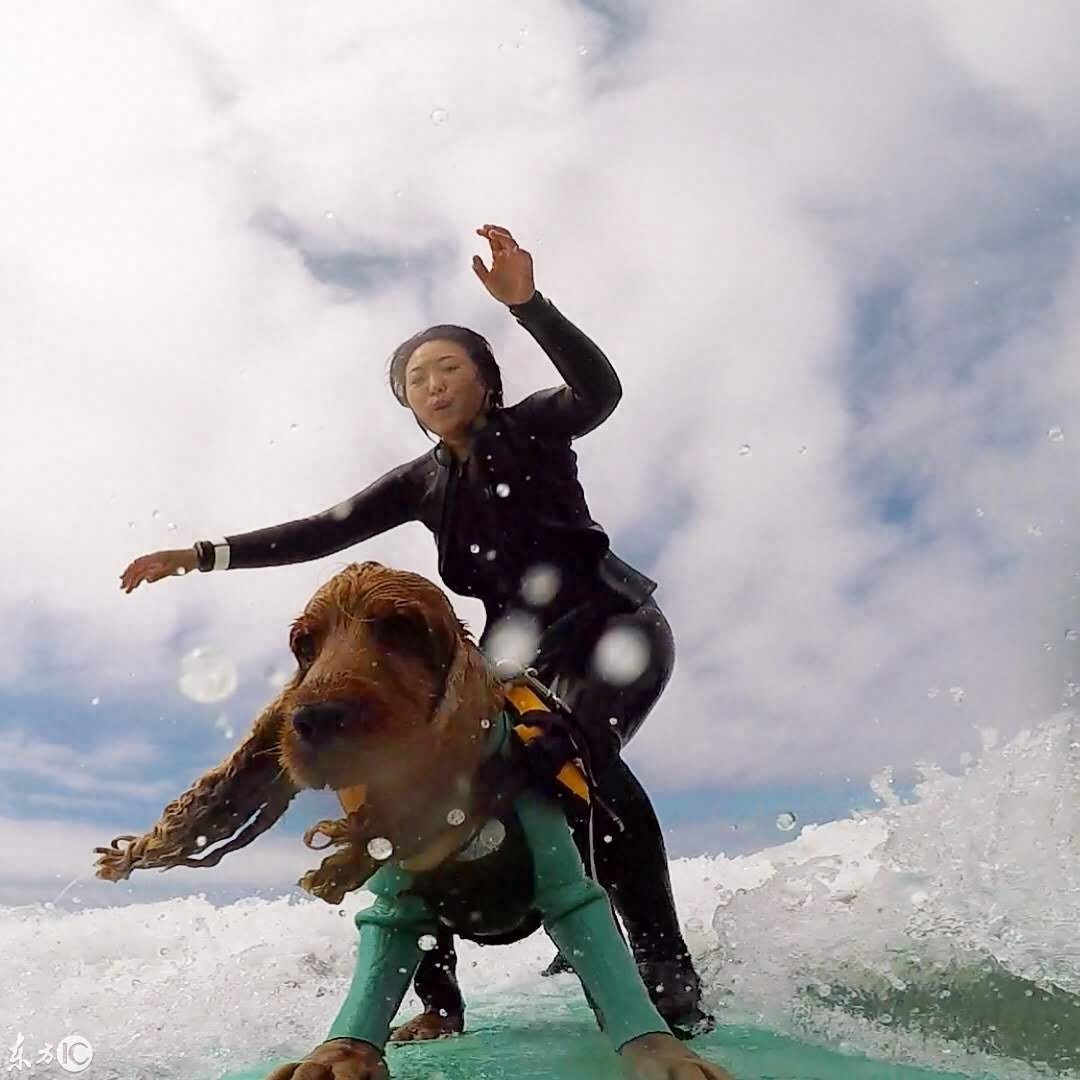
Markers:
831,250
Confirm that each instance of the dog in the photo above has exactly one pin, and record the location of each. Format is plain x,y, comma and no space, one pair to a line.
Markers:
394,707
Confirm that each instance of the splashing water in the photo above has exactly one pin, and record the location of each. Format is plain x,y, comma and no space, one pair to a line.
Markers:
540,584
513,641
621,655
207,675
939,932
928,931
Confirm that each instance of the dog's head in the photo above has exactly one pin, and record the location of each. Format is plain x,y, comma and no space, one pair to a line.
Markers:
390,691
391,697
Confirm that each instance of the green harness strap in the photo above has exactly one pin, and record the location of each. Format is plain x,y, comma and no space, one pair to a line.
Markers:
576,915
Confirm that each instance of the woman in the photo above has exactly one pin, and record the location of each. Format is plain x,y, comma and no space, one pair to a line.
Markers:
500,494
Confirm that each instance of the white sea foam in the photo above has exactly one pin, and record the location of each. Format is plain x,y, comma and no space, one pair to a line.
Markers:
910,934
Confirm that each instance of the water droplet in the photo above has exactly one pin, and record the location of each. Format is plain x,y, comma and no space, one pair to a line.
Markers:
329,214
513,640
439,116
966,758
802,449
294,427
155,513
1072,635
622,655
980,512
932,692
171,526
200,841
1055,434
490,554
613,721
474,548
1047,647
540,584
502,490
455,817
427,942
1034,530
744,450
785,822
95,701
378,847
485,723
583,50
957,693
608,838
207,675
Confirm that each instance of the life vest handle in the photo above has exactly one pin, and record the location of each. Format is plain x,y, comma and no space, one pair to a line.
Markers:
527,693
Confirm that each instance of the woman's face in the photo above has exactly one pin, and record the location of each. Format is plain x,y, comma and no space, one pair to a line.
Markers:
443,388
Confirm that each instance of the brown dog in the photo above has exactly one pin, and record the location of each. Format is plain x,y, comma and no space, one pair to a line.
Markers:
391,706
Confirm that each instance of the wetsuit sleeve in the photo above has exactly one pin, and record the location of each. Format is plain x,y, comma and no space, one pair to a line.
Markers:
592,388
577,916
388,502
388,955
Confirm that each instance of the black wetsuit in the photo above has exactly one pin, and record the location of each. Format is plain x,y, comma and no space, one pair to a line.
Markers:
514,506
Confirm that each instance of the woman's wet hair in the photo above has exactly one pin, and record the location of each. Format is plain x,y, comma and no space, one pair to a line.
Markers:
474,344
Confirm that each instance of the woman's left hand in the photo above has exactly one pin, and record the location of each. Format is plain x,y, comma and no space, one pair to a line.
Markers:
510,279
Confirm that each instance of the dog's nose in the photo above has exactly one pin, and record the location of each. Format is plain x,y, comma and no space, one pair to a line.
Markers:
319,721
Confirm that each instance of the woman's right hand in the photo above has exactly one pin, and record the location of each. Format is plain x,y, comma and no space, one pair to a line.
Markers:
158,565
338,1059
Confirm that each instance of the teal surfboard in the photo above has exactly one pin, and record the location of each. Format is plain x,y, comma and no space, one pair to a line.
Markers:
569,1047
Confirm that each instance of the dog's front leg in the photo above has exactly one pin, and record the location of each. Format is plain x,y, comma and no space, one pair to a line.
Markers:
577,916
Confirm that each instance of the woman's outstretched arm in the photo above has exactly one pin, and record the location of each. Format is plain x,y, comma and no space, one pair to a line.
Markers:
388,502
391,500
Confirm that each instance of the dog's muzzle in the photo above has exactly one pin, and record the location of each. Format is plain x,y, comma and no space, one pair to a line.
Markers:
322,721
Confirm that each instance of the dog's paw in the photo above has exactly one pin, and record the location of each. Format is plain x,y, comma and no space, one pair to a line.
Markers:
427,1026
337,1059
663,1057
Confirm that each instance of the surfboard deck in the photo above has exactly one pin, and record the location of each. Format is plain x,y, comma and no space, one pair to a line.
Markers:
572,1049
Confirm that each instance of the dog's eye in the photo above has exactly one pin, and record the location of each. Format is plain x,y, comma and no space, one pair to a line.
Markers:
304,647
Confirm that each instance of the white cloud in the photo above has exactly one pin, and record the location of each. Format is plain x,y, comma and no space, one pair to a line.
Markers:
711,201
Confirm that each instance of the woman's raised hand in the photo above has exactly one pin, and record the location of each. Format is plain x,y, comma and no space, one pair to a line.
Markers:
510,279
158,565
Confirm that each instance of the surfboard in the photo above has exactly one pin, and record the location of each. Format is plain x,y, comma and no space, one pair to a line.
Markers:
571,1048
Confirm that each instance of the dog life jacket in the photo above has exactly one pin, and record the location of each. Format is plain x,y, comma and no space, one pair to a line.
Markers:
484,891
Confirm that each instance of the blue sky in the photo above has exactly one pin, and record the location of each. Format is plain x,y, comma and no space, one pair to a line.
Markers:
844,238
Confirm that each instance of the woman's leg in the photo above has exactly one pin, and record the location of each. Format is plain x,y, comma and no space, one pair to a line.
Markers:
631,862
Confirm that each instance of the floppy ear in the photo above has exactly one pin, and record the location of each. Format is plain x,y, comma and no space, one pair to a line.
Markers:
471,691
251,781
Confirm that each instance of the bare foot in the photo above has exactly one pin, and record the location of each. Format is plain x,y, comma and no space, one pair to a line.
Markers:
426,1026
